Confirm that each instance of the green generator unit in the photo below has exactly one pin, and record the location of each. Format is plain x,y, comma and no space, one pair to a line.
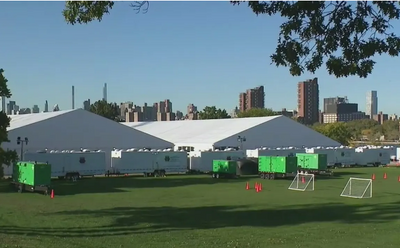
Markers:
312,162
32,176
271,167
224,169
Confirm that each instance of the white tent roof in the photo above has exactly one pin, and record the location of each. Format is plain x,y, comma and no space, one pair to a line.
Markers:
18,121
198,131
271,131
77,128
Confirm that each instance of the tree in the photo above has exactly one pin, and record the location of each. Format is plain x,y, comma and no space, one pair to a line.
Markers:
344,35
6,157
256,112
108,110
337,131
213,113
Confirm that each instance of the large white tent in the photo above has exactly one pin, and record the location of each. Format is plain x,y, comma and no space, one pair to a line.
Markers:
272,131
75,129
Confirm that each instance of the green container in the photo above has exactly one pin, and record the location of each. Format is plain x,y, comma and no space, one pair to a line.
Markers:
277,164
312,161
224,167
32,173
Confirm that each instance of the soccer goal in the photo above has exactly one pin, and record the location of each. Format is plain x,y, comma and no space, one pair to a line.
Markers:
358,188
303,182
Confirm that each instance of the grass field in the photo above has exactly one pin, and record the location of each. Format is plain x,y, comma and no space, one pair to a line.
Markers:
197,211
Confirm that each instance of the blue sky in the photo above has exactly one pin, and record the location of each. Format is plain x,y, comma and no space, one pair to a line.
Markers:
204,53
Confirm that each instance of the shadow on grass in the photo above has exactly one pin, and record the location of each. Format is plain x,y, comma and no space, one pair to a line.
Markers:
120,184
166,219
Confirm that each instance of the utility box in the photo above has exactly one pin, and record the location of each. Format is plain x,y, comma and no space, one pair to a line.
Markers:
224,168
277,164
312,161
32,174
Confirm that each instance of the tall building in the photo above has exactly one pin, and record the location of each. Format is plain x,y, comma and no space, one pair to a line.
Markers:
12,108
191,112
73,97
372,103
308,101
338,109
35,109
124,108
252,98
105,92
86,105
46,107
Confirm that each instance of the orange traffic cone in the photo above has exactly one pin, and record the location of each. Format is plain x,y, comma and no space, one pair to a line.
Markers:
256,186
247,186
373,176
303,180
257,189
398,179
260,187
384,176
52,194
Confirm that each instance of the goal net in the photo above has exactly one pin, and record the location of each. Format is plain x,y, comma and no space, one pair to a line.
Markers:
358,188
302,182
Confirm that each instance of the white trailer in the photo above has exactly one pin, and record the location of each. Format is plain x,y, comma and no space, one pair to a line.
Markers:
372,156
71,164
157,163
336,155
202,160
287,151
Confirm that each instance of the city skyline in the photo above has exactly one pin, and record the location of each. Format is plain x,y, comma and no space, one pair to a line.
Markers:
185,68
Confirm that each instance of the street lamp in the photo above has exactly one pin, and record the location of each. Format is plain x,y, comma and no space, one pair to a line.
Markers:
21,142
241,140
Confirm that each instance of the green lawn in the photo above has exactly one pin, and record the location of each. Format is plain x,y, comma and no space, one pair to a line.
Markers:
197,211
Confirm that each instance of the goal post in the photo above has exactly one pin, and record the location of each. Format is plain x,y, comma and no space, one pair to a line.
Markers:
303,182
358,188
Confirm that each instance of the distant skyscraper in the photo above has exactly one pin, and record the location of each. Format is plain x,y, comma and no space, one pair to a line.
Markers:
73,97
371,103
35,109
105,92
308,101
46,107
12,108
252,98
86,105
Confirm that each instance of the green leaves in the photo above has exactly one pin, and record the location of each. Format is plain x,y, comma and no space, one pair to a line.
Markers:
256,112
6,157
83,12
344,35
86,11
108,110
336,131
213,113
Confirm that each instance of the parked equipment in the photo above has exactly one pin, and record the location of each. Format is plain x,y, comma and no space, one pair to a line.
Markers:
148,163
32,176
271,167
71,164
225,169
313,163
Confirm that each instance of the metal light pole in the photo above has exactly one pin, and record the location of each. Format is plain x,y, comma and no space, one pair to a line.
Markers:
21,142
241,140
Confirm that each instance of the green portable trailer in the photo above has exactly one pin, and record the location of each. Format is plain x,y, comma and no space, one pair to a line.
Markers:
32,176
271,167
314,163
224,168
